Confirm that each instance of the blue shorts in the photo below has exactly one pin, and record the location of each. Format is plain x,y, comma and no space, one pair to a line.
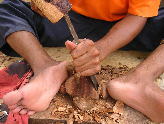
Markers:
16,15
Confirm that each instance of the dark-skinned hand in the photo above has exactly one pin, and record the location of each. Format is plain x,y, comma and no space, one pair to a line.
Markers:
85,57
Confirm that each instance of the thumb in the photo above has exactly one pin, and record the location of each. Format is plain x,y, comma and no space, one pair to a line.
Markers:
70,45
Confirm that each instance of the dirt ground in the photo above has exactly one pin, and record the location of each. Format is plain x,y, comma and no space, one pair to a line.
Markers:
130,59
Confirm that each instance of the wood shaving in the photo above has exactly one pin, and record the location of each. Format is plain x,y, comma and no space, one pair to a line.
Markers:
104,110
119,108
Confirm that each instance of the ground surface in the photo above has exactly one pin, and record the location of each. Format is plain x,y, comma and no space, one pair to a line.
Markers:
131,59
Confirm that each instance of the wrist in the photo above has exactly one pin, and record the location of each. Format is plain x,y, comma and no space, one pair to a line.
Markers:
103,48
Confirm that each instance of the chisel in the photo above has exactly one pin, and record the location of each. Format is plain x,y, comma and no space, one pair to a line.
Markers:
76,41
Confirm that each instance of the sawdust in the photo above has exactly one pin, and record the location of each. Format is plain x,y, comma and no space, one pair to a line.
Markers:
81,109
130,116
118,108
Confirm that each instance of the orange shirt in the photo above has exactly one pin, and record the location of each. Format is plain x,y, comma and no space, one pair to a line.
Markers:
112,10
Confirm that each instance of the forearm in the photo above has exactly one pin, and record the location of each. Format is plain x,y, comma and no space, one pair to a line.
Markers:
121,34
27,45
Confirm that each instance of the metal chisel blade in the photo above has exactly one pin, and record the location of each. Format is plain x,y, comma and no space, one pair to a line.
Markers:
95,83
72,29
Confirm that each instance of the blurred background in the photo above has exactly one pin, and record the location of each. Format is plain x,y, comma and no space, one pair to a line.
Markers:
162,2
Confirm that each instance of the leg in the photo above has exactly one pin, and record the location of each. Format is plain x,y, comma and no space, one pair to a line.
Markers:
48,74
137,89
21,37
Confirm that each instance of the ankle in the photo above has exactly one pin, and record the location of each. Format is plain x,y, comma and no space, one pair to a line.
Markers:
153,91
45,63
144,74
155,94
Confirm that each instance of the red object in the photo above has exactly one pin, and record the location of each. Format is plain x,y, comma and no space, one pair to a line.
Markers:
12,78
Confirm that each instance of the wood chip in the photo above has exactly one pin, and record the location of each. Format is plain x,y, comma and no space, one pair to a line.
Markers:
119,108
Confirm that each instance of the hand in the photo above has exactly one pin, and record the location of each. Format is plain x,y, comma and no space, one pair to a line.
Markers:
85,57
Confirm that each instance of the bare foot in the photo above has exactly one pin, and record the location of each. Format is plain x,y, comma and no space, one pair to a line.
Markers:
37,95
140,93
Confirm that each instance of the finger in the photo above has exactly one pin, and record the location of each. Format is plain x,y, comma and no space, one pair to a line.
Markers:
18,109
70,45
23,111
92,64
31,113
81,40
82,48
90,72
82,60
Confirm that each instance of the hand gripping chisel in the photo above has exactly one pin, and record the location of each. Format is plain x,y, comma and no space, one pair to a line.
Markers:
76,41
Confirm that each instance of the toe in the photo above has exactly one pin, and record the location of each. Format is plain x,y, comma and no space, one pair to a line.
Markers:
12,98
23,111
12,107
18,109
31,113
